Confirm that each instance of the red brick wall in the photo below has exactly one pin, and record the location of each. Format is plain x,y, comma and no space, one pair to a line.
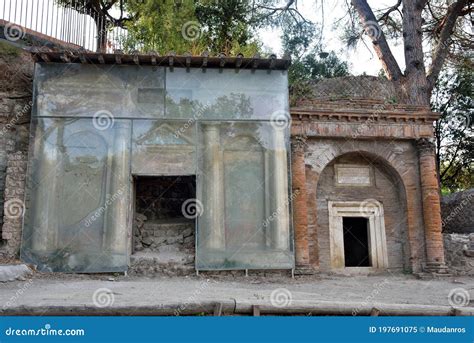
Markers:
398,170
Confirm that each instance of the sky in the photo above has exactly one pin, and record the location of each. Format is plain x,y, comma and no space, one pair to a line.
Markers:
360,59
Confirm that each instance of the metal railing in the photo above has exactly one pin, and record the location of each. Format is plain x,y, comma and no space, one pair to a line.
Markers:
76,24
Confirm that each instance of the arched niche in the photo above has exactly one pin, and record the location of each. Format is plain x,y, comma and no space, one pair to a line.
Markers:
362,180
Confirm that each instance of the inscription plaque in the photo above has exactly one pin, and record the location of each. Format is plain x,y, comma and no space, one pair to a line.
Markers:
353,175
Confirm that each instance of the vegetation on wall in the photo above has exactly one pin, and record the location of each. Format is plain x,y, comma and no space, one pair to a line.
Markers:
453,98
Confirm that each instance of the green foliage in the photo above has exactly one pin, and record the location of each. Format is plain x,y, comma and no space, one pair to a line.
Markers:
309,63
453,98
316,67
191,26
228,26
160,25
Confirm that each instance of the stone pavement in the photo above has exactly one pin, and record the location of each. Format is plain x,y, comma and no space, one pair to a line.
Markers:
49,294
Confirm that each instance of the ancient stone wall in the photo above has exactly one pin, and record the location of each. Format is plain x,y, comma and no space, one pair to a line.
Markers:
354,87
163,247
16,70
459,253
458,212
159,235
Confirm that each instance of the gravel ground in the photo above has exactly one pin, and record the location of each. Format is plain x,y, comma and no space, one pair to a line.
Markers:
43,291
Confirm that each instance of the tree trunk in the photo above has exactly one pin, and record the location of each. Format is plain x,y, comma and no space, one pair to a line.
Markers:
413,89
413,86
379,42
101,39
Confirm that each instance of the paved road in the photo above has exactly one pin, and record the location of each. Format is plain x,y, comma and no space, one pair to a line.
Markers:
46,291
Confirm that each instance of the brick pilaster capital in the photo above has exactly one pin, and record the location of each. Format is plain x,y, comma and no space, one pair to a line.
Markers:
298,143
425,146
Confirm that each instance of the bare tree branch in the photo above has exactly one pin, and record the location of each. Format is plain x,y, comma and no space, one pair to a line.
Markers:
379,42
387,13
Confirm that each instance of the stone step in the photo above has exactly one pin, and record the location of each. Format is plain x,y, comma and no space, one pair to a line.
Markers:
431,276
305,271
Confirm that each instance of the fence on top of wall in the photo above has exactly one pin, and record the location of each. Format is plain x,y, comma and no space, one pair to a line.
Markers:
78,24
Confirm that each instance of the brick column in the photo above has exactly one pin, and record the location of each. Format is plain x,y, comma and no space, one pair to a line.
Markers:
431,207
299,196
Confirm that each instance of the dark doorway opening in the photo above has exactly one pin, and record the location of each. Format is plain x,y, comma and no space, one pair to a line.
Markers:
161,197
162,232
356,241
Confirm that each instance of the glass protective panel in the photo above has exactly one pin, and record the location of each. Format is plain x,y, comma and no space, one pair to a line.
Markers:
87,90
77,196
163,147
95,125
243,188
225,93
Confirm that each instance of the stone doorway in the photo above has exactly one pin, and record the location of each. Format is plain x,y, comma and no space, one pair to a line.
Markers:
163,236
357,229
356,241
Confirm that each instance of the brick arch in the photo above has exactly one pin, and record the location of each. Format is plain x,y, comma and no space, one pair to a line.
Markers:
388,157
379,152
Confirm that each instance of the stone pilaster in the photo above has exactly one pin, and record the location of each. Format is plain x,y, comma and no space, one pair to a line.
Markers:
431,206
117,241
43,226
214,188
299,195
281,222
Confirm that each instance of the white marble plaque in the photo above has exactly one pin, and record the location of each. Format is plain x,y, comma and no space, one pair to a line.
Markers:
355,175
